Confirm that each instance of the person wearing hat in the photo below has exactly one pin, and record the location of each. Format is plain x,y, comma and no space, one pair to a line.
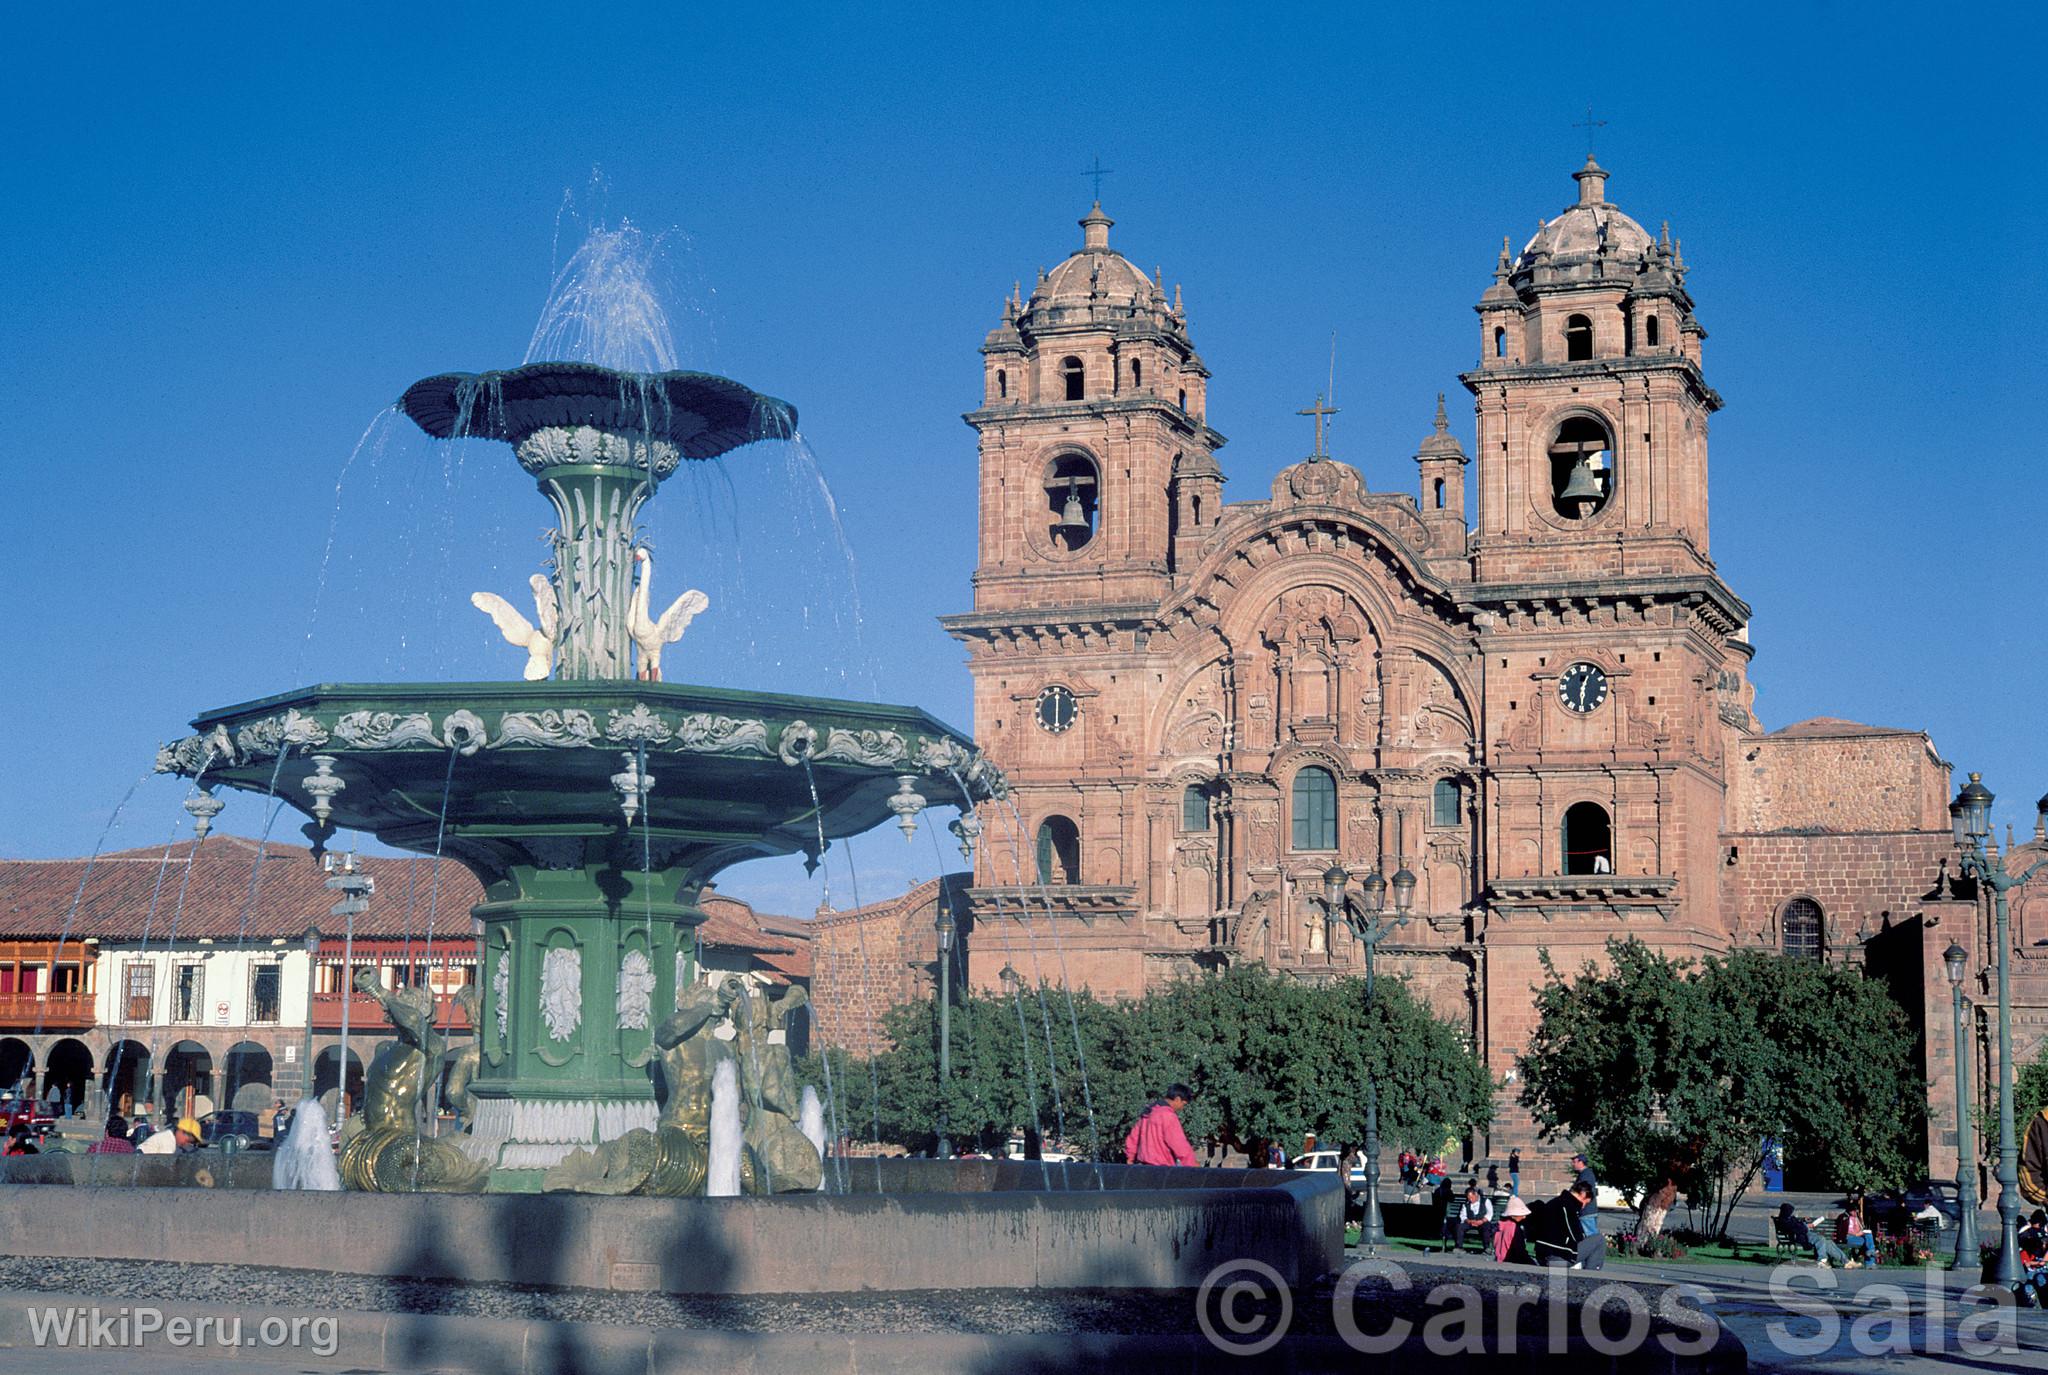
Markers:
177,1141
1510,1224
1583,1173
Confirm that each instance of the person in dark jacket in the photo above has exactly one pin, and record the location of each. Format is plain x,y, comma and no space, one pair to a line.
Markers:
1554,1235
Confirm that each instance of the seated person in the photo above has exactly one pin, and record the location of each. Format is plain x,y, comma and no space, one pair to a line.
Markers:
1856,1237
2033,1258
1556,1235
1508,1230
1476,1215
116,1141
1797,1231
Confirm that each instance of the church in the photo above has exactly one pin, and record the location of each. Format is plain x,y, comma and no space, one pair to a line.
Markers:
1516,692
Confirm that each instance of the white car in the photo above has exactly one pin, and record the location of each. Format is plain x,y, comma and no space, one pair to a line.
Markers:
1013,1149
1327,1162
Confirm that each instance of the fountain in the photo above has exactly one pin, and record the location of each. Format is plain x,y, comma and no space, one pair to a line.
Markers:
593,801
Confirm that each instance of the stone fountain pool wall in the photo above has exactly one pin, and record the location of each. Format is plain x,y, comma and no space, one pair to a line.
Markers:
933,1225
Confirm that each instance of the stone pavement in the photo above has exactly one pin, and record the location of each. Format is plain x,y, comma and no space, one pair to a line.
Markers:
1797,1317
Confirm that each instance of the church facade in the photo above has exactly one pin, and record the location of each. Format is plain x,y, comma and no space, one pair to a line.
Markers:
1521,681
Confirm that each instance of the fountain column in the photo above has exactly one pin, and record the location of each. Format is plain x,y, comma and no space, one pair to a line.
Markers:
597,480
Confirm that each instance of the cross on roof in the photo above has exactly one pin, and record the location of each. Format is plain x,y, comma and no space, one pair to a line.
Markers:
1098,171
1320,412
1589,124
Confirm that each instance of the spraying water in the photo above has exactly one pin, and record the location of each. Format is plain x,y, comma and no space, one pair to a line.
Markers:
605,306
306,1159
725,1131
811,1122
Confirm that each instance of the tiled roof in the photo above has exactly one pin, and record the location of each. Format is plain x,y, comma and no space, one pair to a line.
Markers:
223,895
732,925
130,895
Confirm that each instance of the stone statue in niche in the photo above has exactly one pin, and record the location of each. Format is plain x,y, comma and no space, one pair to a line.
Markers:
1318,927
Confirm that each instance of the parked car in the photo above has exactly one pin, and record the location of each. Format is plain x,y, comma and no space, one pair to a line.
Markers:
1931,1202
238,1131
1013,1149
1329,1162
25,1111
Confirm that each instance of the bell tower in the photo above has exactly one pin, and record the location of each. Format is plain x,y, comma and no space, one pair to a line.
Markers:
1608,641
1591,404
1094,454
1098,488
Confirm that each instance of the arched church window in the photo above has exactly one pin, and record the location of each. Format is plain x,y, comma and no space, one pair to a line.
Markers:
1801,927
1197,503
1446,805
1076,378
1650,330
1137,373
1059,851
1194,808
1578,339
1500,341
1581,468
1438,486
1315,809
1071,494
1588,839
1183,398
1002,383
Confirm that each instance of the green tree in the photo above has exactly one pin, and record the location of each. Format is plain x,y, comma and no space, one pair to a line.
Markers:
1270,1057
1671,1073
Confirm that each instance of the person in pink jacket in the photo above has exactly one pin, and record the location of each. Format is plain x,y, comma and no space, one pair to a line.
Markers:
1156,1137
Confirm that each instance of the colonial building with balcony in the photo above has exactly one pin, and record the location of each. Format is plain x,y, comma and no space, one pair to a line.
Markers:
210,974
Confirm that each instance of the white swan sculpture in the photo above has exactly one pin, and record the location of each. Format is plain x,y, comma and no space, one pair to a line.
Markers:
537,641
652,635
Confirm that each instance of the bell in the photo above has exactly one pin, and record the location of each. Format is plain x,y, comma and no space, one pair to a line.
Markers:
1072,518
1584,488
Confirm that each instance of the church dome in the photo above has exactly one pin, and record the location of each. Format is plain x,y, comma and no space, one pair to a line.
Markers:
1096,279
1589,231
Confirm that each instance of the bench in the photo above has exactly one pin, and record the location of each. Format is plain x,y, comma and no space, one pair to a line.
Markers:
1783,1243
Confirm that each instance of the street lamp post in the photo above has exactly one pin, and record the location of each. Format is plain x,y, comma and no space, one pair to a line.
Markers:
946,932
312,976
1970,814
1365,922
355,888
1969,1250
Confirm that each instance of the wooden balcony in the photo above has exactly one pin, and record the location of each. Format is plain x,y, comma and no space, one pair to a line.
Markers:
365,1014
50,1011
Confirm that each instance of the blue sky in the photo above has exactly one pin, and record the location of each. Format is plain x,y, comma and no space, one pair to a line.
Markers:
232,239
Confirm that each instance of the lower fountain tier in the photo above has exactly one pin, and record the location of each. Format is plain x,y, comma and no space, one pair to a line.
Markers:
524,778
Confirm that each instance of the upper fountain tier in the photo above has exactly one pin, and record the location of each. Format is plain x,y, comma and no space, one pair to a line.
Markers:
702,415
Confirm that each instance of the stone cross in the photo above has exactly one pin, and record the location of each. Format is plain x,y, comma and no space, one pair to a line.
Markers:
1589,124
1319,411
1098,171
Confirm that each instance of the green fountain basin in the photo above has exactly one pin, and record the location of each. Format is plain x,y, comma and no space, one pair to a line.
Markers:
593,813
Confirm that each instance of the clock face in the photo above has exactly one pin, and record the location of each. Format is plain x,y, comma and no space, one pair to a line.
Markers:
1582,688
1057,710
